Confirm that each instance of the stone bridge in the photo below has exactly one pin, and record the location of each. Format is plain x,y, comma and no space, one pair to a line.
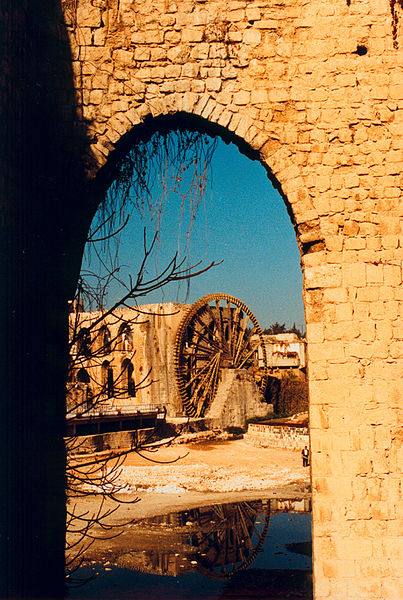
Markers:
314,91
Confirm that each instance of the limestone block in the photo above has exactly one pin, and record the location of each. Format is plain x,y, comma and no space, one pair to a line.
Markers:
192,35
343,371
368,294
367,438
99,53
353,548
252,37
190,70
123,56
242,97
278,95
377,310
359,350
236,15
392,275
96,97
374,273
356,243
354,275
142,53
199,52
344,312
253,13
88,15
318,417
392,587
320,442
329,276
213,84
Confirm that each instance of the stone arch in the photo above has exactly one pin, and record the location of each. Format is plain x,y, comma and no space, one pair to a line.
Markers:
278,162
125,338
84,342
82,376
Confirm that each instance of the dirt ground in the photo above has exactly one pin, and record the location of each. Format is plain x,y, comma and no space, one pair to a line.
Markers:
230,466
199,474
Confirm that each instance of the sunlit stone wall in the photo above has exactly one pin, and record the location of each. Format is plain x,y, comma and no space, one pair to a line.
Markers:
316,89
149,350
277,436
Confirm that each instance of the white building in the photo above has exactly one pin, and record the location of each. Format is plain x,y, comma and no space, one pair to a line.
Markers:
285,351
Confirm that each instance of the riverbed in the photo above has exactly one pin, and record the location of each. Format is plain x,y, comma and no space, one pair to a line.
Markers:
183,476
242,550
206,520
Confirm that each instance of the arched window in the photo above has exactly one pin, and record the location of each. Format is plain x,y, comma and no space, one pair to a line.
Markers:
107,379
105,340
83,343
84,396
125,338
82,376
127,376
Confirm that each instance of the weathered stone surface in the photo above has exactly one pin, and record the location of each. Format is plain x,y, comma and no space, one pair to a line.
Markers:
327,121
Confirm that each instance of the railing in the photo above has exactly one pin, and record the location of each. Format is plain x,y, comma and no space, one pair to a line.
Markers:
110,411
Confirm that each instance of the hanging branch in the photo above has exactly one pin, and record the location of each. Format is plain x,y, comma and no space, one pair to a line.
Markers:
165,159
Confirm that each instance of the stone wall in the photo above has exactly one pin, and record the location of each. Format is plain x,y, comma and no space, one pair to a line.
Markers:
238,398
153,328
277,436
116,440
314,91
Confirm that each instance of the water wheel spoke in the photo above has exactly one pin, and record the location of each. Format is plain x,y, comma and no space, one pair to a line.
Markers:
247,356
218,325
245,531
234,320
207,383
210,336
237,329
211,387
206,339
206,377
240,337
198,373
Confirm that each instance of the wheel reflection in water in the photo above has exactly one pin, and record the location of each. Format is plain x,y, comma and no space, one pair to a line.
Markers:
233,551
230,537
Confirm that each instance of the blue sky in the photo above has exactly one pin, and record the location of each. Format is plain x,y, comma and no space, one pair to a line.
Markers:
243,222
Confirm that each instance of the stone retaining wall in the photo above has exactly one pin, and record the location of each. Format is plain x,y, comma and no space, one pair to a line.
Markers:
277,436
116,440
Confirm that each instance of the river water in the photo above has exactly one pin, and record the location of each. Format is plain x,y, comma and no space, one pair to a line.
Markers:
236,551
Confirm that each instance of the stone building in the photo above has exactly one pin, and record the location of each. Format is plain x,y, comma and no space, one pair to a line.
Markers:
195,360
285,351
128,360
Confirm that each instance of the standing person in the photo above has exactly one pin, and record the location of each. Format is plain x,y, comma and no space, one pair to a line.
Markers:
305,457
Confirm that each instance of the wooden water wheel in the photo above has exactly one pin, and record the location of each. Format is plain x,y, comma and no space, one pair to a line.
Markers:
219,331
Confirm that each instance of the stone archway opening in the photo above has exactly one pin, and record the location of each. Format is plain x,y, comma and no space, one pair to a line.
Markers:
150,327
226,212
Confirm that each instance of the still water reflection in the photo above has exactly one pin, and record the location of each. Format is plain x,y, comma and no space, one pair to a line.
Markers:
228,551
